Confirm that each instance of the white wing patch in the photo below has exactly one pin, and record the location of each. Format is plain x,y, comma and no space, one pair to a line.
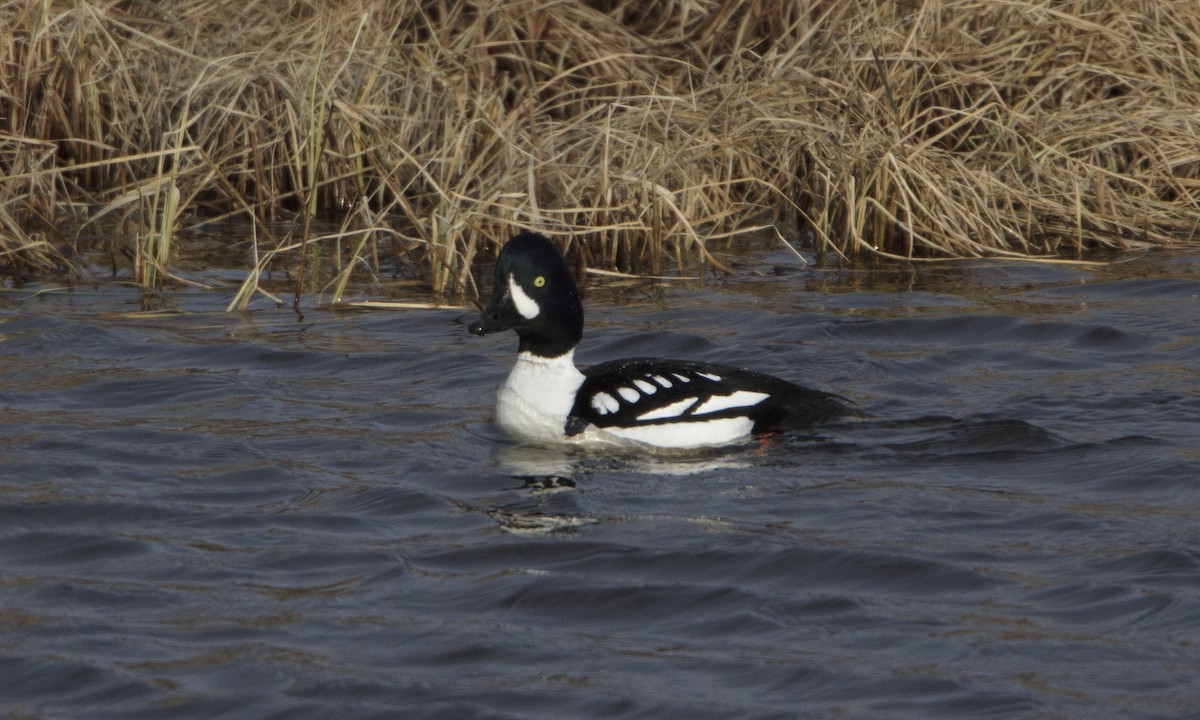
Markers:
604,403
629,394
662,381
741,398
525,305
710,376
648,388
675,409
681,378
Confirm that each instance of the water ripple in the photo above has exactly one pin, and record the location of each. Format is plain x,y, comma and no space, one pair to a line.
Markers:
207,515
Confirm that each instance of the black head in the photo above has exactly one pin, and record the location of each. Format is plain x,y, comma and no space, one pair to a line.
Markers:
535,295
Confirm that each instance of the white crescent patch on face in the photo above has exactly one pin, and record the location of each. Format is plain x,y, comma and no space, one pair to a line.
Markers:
525,305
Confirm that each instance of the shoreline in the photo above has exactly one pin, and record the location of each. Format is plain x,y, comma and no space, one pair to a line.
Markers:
646,139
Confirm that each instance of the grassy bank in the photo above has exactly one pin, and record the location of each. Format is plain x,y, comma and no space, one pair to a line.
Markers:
422,130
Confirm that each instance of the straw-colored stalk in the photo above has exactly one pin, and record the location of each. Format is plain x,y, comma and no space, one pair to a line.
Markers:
648,135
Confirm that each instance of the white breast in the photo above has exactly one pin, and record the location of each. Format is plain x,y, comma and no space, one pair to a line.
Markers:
533,403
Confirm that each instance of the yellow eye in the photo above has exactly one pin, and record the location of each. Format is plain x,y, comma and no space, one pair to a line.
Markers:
539,281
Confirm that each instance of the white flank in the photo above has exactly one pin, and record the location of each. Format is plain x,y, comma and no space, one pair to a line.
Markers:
534,401
741,398
604,403
648,388
630,395
687,434
525,305
675,409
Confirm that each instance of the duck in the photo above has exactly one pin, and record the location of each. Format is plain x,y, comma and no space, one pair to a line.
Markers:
650,402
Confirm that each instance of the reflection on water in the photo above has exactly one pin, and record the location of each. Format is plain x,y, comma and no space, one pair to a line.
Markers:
535,461
206,514
546,469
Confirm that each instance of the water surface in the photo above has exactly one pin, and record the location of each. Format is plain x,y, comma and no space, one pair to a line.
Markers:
214,515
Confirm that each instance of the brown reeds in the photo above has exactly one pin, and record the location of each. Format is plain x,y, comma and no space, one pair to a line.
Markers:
647,131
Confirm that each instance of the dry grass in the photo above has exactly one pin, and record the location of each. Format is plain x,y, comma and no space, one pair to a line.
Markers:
423,129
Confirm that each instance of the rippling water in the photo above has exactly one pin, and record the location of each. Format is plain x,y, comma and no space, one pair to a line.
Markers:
206,515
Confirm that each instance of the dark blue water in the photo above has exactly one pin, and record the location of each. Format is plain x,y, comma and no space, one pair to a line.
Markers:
211,515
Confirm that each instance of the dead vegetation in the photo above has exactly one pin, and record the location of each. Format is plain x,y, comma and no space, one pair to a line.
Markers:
649,132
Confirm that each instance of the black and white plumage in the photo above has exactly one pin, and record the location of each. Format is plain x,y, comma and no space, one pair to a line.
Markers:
662,403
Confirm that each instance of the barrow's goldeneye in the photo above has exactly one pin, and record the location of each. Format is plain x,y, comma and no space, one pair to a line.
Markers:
662,403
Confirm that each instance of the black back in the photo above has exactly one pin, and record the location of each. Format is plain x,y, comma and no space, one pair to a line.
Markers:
673,381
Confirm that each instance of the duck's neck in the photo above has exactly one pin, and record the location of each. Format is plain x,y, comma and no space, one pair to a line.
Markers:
555,331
